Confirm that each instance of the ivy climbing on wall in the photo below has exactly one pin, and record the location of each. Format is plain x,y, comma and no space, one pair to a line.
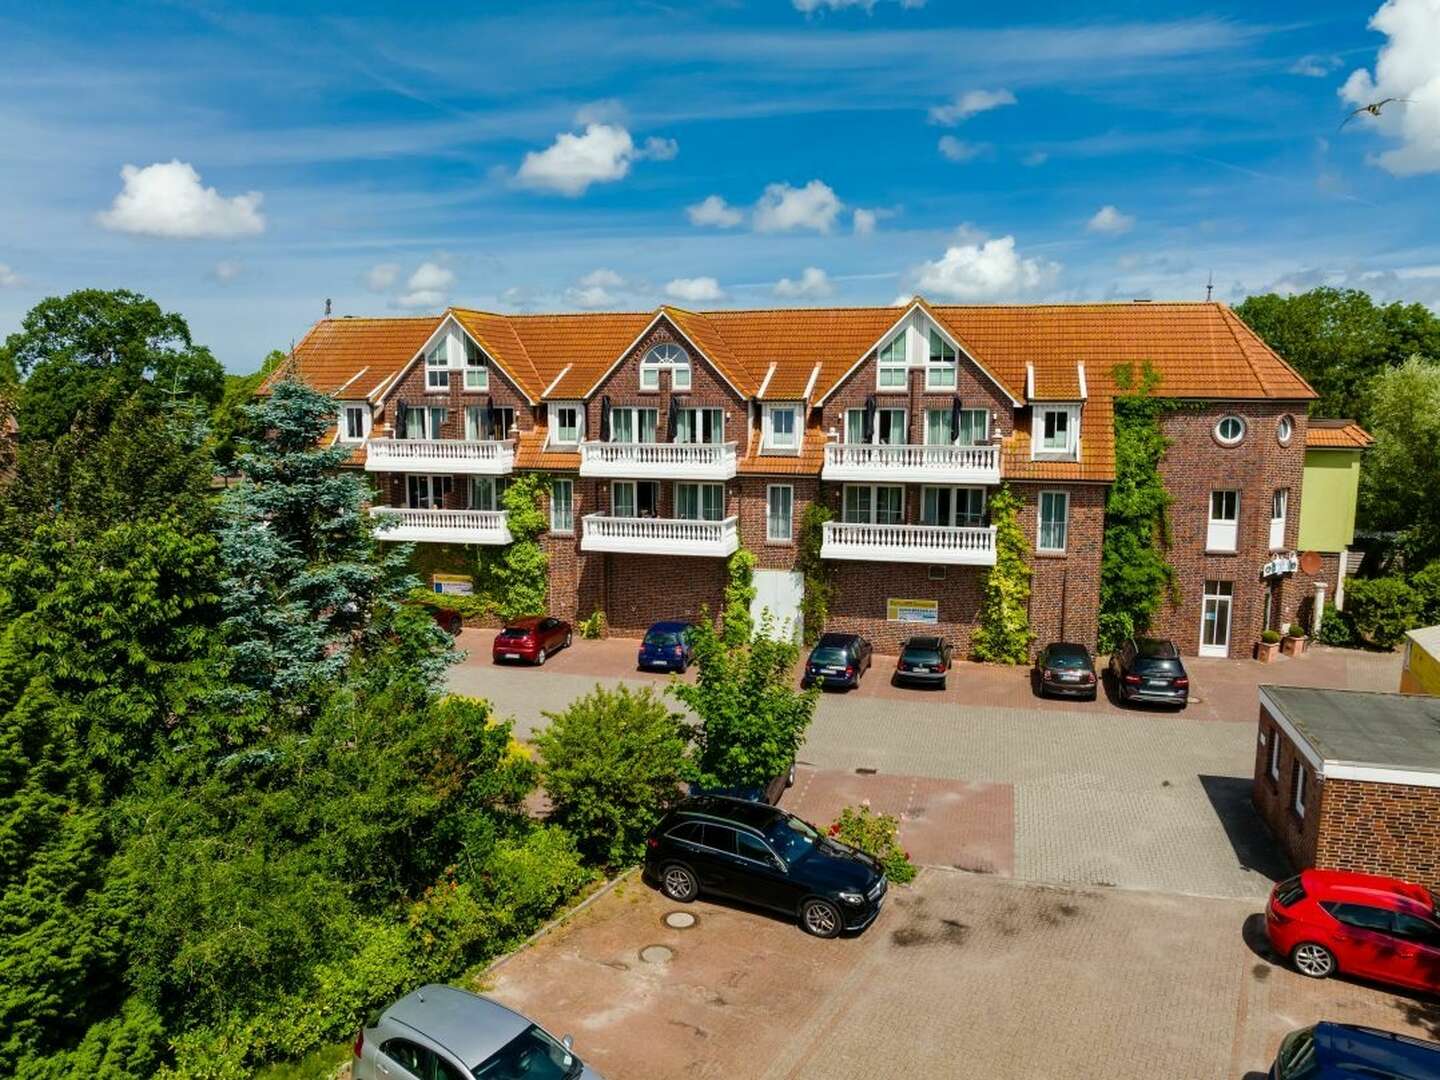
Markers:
1003,635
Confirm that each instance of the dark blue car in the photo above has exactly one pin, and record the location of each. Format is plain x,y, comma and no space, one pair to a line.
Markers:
1329,1050
666,647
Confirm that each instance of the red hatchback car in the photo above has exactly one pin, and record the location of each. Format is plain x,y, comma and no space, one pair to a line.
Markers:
532,640
1328,921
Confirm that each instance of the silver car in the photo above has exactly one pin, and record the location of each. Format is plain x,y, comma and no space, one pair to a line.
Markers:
441,1033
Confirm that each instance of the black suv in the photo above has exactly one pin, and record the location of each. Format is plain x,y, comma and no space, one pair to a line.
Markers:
1149,669
762,855
923,659
837,661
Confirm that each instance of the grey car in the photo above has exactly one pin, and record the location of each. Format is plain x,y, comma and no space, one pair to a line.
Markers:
441,1033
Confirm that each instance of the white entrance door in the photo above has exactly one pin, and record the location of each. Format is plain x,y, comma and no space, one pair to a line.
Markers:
779,592
1215,619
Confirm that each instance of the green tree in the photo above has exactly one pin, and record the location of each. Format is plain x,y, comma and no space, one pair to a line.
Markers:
1003,635
612,764
514,581
230,421
752,718
1401,473
1340,339
1382,609
72,348
736,624
819,581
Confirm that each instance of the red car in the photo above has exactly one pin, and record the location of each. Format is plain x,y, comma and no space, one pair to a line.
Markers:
1328,921
532,640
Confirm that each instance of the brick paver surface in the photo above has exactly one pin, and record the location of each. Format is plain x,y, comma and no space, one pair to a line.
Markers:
962,975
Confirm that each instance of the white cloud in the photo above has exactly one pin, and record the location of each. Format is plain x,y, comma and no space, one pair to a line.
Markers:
814,284
600,154
428,287
695,290
1315,65
167,199
227,270
864,222
382,277
809,7
713,210
783,208
969,104
954,149
1035,158
604,111
1109,221
603,288
9,279
989,271
1408,67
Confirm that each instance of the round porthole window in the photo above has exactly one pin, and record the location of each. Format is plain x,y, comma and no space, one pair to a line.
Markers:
1284,429
1230,430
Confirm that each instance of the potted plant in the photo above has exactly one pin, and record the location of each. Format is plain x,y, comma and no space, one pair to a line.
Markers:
1293,643
1268,646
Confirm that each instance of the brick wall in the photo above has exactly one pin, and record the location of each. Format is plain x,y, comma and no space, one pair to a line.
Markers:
862,588
1065,589
639,590
1274,798
751,501
1196,464
1379,828
412,391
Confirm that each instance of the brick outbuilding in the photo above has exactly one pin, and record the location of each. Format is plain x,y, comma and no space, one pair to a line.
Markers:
1350,779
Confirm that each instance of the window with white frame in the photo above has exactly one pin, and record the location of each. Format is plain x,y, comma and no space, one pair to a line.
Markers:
699,426
635,498
1230,430
892,363
780,427
873,504
562,506
1056,431
437,366
565,424
1279,502
700,502
426,492
940,371
780,513
1284,429
974,427
666,356
1223,527
1274,753
854,425
940,427
354,423
425,422
486,492
477,367
1298,783
1054,521
492,423
891,427
630,425
952,506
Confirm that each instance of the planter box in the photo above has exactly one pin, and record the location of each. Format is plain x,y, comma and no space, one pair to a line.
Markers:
1266,651
1293,646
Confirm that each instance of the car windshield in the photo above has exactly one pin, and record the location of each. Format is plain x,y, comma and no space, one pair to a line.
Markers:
828,655
515,632
1067,661
531,1055
1297,1056
919,655
661,638
791,838
1152,666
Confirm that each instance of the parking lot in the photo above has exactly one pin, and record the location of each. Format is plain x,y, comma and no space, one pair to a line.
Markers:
962,974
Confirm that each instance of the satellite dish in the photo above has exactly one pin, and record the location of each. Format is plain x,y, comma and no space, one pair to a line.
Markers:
1310,562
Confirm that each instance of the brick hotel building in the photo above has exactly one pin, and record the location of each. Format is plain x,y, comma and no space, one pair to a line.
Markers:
673,437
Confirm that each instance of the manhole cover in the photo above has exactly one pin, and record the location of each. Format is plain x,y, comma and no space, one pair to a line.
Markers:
656,954
680,920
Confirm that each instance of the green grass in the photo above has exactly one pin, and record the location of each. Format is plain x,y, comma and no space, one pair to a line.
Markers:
319,1064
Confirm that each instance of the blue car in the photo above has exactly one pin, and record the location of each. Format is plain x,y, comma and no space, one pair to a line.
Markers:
1340,1050
666,647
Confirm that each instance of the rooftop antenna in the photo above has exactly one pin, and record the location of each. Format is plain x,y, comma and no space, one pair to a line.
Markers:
1209,288
327,307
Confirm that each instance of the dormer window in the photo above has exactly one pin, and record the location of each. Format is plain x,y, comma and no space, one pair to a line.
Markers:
1056,431
477,368
566,422
940,371
354,423
892,363
665,356
437,366
781,428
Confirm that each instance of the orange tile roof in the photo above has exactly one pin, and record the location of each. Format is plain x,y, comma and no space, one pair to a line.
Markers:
583,347
1337,435
806,463
357,354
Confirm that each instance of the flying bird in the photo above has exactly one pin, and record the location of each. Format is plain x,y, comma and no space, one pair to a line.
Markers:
1374,108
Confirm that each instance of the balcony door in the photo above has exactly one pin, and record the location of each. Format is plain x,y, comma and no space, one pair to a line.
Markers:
635,499
484,424
485,492
873,504
952,506
634,425
426,492
700,502
699,426
424,423
1215,618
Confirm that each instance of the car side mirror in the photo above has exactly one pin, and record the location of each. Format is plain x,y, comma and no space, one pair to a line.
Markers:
568,1041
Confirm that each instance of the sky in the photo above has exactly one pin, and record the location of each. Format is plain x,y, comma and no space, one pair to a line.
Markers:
242,165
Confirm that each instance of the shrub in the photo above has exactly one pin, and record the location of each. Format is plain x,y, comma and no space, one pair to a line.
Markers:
877,835
612,764
594,627
1336,628
1270,637
1382,609
1295,630
1427,586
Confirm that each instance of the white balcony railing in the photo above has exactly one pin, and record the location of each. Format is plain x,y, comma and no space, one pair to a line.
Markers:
660,536
909,463
443,526
658,461
440,456
955,545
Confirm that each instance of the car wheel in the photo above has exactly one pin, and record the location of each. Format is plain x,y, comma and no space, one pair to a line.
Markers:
1312,960
540,658
820,918
567,639
679,883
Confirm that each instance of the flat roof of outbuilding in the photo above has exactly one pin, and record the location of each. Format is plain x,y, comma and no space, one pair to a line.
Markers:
1355,732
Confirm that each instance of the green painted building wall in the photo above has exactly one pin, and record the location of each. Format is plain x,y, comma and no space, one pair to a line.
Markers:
1327,499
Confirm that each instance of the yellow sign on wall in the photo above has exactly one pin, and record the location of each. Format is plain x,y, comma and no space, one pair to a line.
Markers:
921,611
454,584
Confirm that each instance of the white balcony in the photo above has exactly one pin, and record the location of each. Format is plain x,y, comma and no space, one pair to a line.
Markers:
911,464
453,456
658,461
660,536
953,545
443,526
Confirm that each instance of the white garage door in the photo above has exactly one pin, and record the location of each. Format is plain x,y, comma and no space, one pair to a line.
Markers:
779,592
